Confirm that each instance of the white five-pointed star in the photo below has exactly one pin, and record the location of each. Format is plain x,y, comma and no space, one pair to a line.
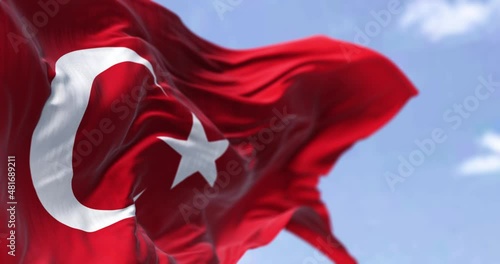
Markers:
198,154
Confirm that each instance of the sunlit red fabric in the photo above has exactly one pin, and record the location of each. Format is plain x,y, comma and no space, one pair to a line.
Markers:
288,111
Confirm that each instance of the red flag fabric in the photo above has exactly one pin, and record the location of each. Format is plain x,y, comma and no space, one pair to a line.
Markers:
128,139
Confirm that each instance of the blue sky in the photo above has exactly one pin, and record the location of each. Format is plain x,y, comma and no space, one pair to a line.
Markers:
447,209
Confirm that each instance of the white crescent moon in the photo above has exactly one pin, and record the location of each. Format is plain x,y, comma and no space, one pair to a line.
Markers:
54,136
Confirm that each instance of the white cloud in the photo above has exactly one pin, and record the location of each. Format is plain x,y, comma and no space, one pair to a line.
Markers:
437,19
492,141
484,164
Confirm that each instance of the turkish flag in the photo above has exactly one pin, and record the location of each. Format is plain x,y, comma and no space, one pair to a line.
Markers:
125,138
